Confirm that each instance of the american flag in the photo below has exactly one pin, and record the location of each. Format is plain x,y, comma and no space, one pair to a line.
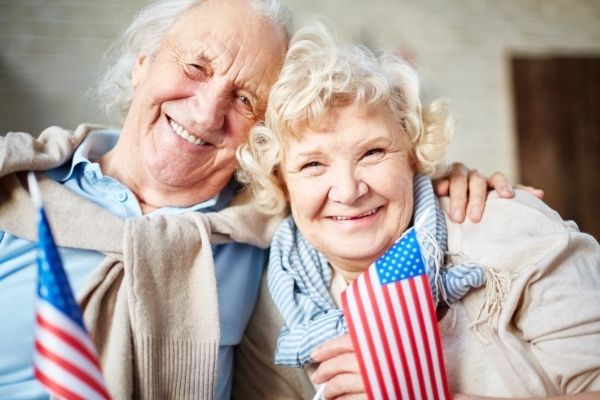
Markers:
64,357
393,326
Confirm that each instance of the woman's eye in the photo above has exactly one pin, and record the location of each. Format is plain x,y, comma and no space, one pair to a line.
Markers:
373,152
311,164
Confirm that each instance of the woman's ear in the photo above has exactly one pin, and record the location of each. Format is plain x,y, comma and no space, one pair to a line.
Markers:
281,182
140,69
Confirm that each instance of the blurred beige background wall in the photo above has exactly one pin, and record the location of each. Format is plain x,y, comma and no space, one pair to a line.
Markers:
50,53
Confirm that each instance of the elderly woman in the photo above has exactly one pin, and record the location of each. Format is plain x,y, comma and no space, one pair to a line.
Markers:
347,143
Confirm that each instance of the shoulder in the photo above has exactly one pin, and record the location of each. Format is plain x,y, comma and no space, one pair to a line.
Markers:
513,232
48,149
524,211
522,215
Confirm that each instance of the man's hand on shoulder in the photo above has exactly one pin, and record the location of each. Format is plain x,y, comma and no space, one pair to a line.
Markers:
468,190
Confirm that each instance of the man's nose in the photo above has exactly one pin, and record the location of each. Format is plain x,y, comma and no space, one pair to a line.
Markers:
210,107
347,187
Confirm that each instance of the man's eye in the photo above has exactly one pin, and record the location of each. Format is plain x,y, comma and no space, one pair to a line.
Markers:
245,100
195,71
245,106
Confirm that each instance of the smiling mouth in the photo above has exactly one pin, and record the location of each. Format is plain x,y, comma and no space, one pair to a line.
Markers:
185,135
363,215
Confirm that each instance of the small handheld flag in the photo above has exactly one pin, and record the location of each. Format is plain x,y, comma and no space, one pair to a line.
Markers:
64,357
392,321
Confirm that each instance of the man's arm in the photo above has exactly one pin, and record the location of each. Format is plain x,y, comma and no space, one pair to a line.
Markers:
468,190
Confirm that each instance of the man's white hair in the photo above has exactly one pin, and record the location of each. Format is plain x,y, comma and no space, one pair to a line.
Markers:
144,35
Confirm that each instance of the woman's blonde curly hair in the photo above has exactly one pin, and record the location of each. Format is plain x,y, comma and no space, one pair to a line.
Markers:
320,74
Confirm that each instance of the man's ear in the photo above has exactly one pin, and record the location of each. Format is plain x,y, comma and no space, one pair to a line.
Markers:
140,69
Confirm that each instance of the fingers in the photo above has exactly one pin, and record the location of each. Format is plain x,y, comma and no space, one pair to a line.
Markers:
345,363
441,186
339,369
352,396
458,180
468,190
477,194
333,348
539,193
499,182
345,385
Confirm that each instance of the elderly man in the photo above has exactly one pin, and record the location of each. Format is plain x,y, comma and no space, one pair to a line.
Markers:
163,306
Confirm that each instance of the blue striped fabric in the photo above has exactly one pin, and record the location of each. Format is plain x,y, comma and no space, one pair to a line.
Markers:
299,279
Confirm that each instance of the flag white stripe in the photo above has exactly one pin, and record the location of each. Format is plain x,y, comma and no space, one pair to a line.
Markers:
431,330
58,346
419,336
367,357
57,318
394,346
404,329
376,336
59,375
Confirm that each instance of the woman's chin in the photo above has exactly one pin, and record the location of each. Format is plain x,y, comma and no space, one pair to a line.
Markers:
356,255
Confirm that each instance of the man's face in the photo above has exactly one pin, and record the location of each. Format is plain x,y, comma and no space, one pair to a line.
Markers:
197,97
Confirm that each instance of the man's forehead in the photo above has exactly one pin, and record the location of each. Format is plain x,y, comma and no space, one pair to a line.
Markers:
220,14
235,39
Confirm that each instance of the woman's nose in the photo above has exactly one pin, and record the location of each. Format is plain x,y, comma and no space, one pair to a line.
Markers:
347,188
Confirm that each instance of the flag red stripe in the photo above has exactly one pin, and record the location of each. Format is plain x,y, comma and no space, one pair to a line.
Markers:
55,388
411,337
65,336
438,342
421,322
383,335
369,338
356,345
396,332
72,368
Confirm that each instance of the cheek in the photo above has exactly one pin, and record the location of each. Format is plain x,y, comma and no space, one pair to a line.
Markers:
239,126
305,197
400,196
402,189
394,180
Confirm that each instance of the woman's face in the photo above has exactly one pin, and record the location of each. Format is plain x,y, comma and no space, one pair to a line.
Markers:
350,185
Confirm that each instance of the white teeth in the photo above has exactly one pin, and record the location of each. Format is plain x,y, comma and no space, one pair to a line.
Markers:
182,132
338,218
341,218
373,211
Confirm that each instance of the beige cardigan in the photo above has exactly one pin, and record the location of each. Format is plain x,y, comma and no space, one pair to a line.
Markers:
151,305
533,331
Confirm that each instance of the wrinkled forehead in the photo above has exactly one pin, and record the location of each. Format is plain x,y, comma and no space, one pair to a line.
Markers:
235,37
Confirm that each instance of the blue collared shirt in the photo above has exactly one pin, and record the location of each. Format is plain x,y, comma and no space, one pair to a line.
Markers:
238,270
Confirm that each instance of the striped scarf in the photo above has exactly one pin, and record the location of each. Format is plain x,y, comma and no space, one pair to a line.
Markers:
299,279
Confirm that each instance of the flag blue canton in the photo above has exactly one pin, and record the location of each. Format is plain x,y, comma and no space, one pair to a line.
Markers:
53,285
402,261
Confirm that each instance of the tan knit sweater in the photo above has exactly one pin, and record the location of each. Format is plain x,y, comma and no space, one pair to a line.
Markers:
151,305
534,330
